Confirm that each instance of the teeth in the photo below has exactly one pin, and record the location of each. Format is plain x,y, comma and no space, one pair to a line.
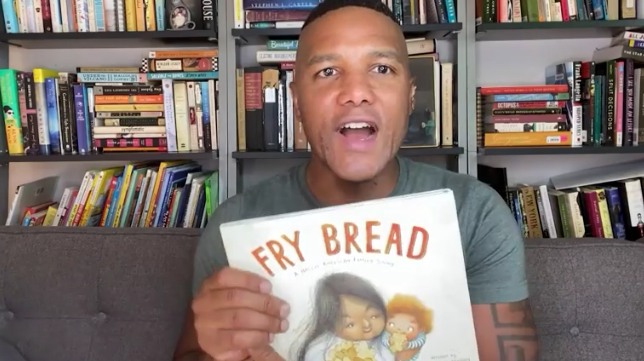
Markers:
356,125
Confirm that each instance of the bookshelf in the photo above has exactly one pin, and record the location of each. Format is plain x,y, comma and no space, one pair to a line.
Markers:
589,29
548,43
517,54
66,51
478,54
247,167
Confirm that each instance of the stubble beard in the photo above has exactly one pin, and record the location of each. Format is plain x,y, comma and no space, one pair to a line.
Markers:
357,167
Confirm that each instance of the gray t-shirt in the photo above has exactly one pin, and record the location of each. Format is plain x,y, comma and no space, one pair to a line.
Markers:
492,242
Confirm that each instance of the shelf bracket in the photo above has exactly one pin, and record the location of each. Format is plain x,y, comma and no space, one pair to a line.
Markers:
10,43
4,190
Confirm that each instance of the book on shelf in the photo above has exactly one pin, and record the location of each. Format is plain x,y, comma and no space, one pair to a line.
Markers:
68,16
610,206
355,268
266,119
144,194
287,14
515,11
168,103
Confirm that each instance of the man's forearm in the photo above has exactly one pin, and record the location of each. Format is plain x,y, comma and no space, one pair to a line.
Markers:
516,333
506,332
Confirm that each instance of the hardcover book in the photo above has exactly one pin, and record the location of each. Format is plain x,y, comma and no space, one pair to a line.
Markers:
380,280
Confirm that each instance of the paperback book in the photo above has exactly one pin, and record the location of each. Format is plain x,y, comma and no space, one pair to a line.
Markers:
381,280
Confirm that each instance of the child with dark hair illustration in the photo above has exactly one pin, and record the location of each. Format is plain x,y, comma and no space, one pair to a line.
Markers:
347,323
408,323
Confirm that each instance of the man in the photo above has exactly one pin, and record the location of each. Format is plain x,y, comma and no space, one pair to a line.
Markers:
353,94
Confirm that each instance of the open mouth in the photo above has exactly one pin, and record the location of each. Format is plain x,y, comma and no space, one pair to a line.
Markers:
362,130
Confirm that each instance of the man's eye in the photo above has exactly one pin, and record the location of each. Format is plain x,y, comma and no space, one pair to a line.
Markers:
326,72
382,69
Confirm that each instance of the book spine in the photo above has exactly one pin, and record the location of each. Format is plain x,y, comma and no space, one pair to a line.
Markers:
130,142
51,104
181,116
205,103
79,104
32,116
629,101
13,141
619,104
22,104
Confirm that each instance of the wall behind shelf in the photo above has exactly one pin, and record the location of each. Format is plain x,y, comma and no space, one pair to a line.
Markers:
67,60
255,171
524,62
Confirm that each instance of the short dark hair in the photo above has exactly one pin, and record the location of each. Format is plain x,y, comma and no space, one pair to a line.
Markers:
327,6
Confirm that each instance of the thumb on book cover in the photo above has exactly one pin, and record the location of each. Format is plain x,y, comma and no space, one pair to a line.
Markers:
234,355
265,353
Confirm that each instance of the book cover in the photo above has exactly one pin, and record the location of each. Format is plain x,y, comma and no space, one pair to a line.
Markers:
381,280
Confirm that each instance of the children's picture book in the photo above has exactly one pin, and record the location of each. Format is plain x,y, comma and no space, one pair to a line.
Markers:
380,280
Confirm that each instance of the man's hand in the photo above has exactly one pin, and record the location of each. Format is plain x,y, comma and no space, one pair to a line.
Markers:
234,311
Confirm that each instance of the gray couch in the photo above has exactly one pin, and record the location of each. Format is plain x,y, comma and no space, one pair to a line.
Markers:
74,294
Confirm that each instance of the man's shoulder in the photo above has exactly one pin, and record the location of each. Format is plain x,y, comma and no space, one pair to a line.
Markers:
271,196
467,189
476,202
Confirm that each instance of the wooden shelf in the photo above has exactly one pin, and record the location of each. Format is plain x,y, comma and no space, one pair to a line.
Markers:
554,29
111,156
407,152
260,36
111,39
559,150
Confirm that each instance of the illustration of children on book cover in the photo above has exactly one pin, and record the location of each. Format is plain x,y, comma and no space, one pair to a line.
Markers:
374,281
352,320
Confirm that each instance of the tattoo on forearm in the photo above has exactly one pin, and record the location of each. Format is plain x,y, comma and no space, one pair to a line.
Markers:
519,315
517,339
518,348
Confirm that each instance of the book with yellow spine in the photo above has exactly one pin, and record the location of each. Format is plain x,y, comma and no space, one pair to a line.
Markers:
46,131
94,205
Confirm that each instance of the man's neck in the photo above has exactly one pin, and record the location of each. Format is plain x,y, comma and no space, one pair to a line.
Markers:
328,189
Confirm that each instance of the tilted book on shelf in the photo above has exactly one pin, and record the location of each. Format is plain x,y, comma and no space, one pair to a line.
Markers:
381,280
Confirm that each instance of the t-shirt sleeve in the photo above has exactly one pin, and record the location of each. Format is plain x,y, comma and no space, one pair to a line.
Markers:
495,251
210,255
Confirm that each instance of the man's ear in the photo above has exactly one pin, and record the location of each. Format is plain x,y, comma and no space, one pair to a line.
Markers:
412,94
296,106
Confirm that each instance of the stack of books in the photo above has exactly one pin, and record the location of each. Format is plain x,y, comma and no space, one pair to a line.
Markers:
167,104
494,11
66,16
528,115
285,14
145,194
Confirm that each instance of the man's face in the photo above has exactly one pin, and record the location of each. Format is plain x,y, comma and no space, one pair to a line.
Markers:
352,91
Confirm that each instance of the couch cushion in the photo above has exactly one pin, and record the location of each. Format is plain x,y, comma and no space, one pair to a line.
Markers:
8,352
587,296
94,294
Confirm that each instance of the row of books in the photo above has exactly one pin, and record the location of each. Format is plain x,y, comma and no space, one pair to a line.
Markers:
282,14
582,103
100,109
266,120
610,208
65,16
495,11
146,194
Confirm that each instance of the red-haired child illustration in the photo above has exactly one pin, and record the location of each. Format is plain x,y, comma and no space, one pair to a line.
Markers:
408,323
